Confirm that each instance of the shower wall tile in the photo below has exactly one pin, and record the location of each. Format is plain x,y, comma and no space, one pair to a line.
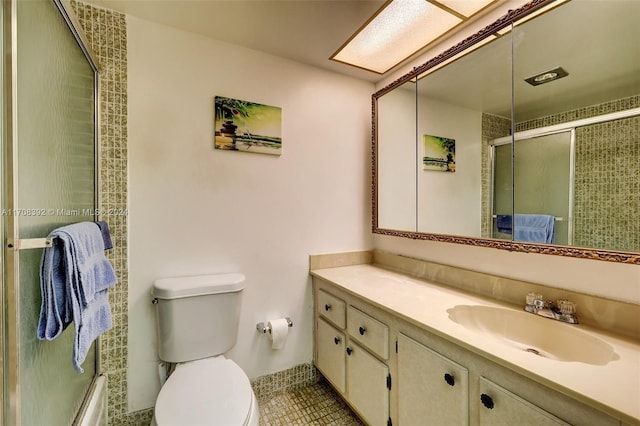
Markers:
581,113
106,33
492,127
607,202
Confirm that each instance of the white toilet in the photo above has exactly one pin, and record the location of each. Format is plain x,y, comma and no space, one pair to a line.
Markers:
197,320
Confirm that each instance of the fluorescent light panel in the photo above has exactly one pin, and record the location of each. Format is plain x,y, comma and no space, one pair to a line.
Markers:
401,28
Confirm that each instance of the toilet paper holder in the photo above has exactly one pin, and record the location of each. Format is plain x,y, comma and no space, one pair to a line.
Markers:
263,328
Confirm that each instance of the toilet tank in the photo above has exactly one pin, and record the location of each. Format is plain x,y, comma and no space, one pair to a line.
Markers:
197,317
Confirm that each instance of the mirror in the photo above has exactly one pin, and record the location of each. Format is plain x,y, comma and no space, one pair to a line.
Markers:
487,150
396,156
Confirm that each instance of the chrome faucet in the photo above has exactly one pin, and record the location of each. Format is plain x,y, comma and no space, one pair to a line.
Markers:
564,310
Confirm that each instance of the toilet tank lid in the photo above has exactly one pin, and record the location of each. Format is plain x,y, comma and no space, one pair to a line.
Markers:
174,288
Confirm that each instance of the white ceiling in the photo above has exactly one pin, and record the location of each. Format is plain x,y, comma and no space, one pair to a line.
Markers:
310,31
306,31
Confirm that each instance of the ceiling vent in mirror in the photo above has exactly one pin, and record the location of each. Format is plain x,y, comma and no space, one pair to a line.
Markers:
547,76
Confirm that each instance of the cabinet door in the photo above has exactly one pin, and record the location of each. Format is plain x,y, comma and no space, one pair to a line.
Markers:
330,360
501,407
367,385
432,389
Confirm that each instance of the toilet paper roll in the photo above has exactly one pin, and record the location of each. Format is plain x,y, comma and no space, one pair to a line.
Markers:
279,330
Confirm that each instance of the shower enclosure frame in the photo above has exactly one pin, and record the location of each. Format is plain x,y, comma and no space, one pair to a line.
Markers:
10,278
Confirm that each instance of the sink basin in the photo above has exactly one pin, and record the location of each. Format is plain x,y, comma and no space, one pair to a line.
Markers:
540,336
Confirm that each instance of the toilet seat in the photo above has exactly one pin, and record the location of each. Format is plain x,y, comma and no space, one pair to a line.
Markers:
210,391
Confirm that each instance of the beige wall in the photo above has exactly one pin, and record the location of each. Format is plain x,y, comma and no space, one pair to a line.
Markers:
196,210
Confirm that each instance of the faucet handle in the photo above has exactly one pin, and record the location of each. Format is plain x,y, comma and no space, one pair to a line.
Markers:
566,307
532,297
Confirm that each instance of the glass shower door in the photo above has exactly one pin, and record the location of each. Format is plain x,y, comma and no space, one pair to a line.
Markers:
539,180
50,182
543,175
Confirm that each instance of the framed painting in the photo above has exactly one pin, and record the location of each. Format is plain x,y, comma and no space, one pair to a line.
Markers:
438,153
247,126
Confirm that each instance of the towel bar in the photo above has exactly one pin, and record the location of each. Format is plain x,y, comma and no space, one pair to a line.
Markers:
29,243
556,218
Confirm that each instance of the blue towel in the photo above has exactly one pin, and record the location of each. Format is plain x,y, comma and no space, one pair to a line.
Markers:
504,223
74,278
106,235
535,228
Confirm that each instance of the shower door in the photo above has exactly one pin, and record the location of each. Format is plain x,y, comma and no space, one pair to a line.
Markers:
543,180
49,180
538,180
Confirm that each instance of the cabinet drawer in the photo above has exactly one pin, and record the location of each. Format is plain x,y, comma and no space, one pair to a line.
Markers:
331,308
370,332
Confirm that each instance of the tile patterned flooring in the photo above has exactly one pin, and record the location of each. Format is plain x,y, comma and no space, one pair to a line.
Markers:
316,405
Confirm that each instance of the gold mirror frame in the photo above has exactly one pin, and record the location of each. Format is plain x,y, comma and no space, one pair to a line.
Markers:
579,252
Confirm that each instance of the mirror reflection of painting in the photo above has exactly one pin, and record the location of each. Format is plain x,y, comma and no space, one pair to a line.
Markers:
247,126
438,153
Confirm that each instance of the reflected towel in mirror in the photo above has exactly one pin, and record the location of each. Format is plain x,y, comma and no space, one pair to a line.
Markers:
534,228
504,223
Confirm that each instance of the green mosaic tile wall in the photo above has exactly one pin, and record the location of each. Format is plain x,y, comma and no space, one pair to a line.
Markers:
493,127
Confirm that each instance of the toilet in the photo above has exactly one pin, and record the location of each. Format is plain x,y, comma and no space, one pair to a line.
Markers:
197,319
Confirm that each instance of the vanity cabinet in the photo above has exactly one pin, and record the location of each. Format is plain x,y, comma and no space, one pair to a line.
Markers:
393,371
348,344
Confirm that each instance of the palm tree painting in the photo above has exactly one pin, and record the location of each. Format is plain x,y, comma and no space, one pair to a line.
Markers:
438,153
247,126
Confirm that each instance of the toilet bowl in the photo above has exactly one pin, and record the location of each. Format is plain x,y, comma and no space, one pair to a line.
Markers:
210,391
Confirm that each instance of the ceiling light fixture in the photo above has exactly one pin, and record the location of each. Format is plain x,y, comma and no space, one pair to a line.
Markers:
547,76
401,28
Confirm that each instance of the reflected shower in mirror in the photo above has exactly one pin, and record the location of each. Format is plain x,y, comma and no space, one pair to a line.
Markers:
537,127
581,89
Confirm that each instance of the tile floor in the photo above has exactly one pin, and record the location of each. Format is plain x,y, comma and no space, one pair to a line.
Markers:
316,405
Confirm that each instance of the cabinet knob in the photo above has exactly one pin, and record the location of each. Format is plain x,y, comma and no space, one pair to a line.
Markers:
487,401
336,340
327,307
451,381
362,330
349,351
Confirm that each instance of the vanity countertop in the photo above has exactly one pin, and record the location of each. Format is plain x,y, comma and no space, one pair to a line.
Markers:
613,388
